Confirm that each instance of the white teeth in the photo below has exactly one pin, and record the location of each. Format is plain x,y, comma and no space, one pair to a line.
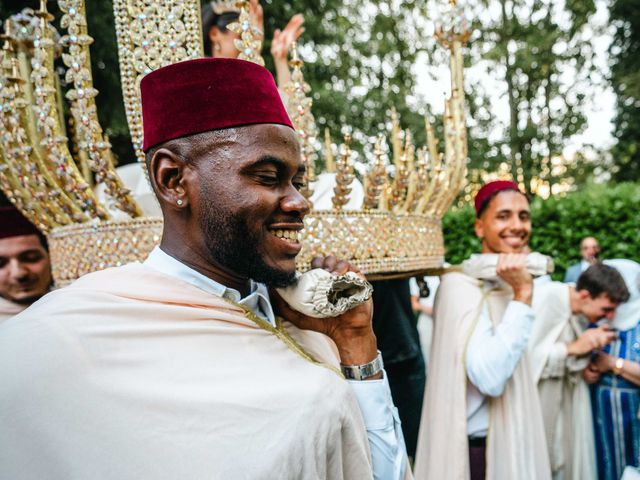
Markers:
290,235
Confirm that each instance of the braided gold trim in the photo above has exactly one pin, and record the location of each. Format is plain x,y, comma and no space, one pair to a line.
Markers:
280,332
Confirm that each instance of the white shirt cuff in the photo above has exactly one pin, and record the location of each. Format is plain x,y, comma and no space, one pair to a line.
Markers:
376,404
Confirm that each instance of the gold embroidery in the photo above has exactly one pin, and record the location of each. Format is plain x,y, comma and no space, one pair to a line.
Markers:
280,332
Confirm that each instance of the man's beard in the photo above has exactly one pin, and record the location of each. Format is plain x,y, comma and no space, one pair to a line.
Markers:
232,245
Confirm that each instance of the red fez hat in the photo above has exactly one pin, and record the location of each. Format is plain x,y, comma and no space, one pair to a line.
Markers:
13,224
196,96
490,189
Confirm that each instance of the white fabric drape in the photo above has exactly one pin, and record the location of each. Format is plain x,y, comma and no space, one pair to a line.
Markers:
130,374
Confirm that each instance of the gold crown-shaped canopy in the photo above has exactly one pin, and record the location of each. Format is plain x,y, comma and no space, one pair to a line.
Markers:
394,226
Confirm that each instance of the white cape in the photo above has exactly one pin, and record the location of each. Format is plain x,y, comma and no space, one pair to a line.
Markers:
128,374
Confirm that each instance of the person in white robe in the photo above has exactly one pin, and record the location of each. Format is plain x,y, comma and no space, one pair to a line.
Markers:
189,365
481,417
560,348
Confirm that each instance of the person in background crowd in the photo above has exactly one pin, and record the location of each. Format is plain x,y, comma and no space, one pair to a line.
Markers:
614,373
589,250
560,350
219,41
25,269
481,417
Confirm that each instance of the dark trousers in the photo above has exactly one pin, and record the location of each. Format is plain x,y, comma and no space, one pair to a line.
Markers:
478,459
407,381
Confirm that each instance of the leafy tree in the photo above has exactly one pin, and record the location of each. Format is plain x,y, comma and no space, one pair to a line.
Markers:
625,79
359,56
539,50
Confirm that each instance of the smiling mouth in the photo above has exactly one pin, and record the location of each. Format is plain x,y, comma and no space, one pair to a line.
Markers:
517,238
291,236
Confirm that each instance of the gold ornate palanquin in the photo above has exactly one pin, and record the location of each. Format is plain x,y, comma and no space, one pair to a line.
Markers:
397,230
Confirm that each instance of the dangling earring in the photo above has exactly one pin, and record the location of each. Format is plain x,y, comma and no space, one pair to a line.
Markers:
217,47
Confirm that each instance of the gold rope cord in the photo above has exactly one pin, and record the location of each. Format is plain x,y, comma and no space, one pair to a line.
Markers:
280,332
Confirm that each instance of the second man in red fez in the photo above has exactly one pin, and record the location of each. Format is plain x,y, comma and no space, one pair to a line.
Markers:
481,415
25,269
188,365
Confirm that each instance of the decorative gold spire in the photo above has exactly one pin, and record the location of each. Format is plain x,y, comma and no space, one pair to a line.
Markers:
224,6
418,182
376,179
152,35
249,44
299,108
48,125
92,144
329,160
344,176
396,136
404,167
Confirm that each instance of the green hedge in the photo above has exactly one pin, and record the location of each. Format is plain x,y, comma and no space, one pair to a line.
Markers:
609,213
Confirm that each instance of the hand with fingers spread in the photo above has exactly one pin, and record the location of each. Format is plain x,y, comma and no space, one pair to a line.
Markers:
590,340
351,332
283,39
280,45
512,268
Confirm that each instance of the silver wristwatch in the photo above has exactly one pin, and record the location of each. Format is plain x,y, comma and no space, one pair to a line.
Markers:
362,372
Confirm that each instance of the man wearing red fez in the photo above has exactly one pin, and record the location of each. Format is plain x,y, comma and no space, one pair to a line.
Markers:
25,270
188,366
481,417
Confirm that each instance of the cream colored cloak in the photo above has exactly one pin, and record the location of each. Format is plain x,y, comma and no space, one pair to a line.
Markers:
516,447
130,374
9,309
564,395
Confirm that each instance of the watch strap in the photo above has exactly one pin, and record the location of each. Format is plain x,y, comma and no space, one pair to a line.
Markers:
362,372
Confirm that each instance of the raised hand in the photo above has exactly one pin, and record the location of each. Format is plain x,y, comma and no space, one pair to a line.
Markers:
283,39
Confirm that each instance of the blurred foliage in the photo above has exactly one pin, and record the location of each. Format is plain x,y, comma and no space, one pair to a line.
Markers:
533,47
610,214
358,58
625,80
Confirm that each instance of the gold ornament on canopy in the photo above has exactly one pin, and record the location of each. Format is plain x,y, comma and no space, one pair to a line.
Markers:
224,6
250,42
395,228
299,108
